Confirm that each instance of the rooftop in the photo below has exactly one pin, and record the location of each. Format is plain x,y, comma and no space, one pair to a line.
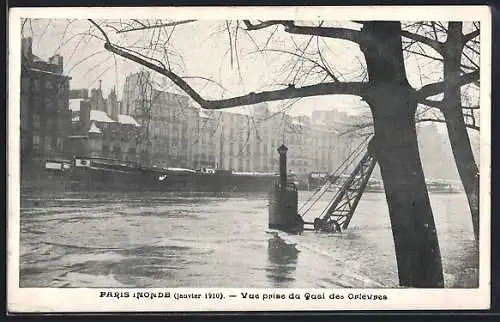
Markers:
47,72
127,119
297,122
74,104
100,116
94,129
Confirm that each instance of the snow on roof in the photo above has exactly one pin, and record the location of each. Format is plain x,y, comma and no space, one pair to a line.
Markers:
127,119
263,174
74,104
180,170
94,129
100,116
48,72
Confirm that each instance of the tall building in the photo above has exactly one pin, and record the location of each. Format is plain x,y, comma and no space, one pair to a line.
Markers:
234,150
45,114
206,140
248,142
181,135
298,139
168,121
331,143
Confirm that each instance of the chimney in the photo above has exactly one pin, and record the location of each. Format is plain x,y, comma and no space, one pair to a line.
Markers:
57,60
60,63
113,105
84,117
121,107
27,48
115,110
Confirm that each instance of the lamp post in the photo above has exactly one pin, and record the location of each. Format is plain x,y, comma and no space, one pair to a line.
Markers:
282,151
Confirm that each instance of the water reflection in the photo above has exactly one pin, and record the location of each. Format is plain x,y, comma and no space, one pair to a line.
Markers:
282,259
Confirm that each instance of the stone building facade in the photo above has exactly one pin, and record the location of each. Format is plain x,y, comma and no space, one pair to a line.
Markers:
45,114
164,129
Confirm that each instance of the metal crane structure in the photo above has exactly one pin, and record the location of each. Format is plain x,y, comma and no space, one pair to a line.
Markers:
340,209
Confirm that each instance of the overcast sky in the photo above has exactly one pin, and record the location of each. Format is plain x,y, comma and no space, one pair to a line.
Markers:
201,49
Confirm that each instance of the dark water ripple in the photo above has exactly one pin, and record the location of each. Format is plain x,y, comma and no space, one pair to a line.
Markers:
172,240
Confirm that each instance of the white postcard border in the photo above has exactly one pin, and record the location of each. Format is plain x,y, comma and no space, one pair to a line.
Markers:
90,300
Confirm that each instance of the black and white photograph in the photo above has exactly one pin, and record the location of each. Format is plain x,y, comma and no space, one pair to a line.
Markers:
224,159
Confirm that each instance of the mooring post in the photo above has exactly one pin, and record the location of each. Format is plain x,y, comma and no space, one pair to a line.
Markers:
282,151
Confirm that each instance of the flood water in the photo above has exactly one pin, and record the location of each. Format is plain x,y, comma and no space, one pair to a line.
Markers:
182,240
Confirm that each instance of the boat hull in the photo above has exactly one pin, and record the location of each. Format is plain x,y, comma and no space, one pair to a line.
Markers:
145,179
167,181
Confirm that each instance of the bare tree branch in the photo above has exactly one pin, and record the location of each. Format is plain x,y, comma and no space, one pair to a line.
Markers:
471,35
431,103
475,65
434,44
436,88
290,27
264,24
439,104
169,24
470,126
353,88
100,29
423,55
324,68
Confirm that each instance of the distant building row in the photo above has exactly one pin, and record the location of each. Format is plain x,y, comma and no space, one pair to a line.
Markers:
181,135
154,127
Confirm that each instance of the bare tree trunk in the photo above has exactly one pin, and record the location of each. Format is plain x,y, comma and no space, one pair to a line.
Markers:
455,123
393,105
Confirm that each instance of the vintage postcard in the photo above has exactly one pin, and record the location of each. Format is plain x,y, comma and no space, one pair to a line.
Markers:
249,159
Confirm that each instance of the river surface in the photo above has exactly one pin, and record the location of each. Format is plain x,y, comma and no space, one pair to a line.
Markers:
181,240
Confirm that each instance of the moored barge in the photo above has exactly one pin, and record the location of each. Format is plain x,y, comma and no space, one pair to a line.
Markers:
108,174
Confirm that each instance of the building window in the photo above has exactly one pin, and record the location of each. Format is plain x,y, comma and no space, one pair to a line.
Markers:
49,103
59,143
26,81
49,124
105,150
61,123
36,121
48,144
36,84
36,142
